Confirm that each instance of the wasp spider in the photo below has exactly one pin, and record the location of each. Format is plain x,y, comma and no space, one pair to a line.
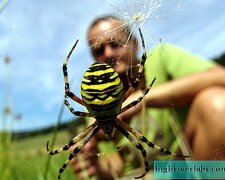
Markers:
103,94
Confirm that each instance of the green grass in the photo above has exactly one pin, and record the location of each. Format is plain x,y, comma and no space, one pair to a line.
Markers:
26,159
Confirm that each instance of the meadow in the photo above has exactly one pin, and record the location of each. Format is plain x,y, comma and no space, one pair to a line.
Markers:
27,158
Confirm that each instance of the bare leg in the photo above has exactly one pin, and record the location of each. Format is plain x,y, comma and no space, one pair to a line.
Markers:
205,127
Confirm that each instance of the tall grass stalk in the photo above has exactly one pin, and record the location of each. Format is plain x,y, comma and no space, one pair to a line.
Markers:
181,138
3,5
5,136
53,140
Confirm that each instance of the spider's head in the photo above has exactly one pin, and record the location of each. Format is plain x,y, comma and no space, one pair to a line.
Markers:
102,91
108,126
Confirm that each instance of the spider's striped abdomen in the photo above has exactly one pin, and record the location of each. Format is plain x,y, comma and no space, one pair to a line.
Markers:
102,91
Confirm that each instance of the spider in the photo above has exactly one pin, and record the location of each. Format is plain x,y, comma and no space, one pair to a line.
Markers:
103,95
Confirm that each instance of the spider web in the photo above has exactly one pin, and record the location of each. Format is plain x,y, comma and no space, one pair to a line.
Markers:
135,13
141,14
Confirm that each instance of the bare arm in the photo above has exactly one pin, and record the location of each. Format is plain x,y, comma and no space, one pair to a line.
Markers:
180,92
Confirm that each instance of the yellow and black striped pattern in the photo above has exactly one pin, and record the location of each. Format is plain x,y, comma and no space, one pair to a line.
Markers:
102,91
103,94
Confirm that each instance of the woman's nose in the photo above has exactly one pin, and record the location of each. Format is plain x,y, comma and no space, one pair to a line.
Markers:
109,52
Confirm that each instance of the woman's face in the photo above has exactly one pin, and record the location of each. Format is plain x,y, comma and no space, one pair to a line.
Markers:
110,44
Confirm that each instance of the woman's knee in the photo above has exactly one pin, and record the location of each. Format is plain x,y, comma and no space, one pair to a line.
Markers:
210,103
205,124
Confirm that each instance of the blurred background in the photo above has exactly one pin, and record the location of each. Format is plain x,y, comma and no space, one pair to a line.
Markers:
35,37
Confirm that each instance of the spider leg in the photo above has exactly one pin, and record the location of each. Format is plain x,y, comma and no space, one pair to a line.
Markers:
77,149
146,141
66,81
137,145
75,140
134,85
142,63
135,102
67,88
76,113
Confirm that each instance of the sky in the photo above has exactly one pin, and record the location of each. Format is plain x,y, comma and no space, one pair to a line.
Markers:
37,35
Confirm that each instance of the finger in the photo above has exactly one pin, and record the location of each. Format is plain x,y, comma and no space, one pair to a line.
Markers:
80,163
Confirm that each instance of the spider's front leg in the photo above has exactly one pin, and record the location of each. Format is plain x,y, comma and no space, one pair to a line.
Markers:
75,140
146,141
138,146
77,149
127,131
82,139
